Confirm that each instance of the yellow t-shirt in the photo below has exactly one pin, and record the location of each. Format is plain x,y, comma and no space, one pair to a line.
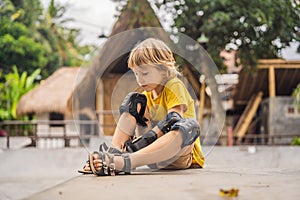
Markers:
174,94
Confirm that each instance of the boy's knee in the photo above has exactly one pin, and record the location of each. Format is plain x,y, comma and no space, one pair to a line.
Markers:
189,129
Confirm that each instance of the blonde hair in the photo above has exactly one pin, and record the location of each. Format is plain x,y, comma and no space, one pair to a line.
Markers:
154,52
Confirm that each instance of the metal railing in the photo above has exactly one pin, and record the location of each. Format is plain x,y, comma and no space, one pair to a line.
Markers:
254,139
50,129
90,128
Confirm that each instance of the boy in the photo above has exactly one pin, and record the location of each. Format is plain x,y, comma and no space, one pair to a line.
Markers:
162,119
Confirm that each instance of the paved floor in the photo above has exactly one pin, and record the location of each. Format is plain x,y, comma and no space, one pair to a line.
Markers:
258,173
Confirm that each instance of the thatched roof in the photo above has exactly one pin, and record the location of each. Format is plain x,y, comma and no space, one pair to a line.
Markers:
136,14
52,94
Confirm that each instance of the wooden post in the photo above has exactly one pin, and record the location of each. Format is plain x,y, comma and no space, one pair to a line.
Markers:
67,141
249,116
230,136
202,101
243,116
35,135
272,85
7,137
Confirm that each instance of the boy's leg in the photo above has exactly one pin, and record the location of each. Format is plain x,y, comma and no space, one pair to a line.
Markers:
179,140
127,124
124,130
181,161
170,145
164,148
164,151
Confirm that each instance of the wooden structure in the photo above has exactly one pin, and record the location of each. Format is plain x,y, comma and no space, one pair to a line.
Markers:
108,79
271,78
247,116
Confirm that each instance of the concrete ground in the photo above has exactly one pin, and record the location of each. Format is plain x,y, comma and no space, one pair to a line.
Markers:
258,172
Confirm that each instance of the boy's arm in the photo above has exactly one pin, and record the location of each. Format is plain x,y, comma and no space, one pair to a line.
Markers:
160,129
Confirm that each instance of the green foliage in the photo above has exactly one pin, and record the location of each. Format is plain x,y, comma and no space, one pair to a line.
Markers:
31,11
31,38
256,29
23,52
17,45
296,141
34,42
12,90
296,95
65,50
4,114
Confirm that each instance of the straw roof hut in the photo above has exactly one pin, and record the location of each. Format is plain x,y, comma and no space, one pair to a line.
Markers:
48,102
52,95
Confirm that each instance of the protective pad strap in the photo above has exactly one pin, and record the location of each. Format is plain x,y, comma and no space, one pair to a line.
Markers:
169,121
104,148
127,163
130,105
189,129
140,142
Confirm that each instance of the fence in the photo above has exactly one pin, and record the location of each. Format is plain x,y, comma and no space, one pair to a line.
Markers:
67,130
256,139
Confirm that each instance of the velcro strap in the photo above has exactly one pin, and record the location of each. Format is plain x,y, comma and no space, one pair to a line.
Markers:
127,163
104,148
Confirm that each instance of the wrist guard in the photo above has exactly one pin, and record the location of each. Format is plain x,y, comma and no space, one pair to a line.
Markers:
140,142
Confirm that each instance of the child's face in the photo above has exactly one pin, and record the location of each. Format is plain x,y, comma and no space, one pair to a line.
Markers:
148,77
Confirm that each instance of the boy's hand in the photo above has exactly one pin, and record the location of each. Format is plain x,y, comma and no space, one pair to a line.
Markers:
135,104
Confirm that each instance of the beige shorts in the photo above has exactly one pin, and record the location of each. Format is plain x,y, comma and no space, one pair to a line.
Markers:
183,162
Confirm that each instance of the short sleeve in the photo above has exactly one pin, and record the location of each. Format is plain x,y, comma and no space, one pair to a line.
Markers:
176,95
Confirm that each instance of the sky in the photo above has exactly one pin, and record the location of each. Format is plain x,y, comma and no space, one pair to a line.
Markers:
290,53
94,17
91,16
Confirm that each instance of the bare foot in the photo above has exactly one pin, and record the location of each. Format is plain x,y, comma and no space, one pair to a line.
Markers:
97,162
86,167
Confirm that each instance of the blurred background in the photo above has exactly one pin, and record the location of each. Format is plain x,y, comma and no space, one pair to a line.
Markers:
54,49
63,74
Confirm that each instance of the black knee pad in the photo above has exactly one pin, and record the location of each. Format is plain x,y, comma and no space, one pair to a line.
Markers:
130,103
140,142
189,129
